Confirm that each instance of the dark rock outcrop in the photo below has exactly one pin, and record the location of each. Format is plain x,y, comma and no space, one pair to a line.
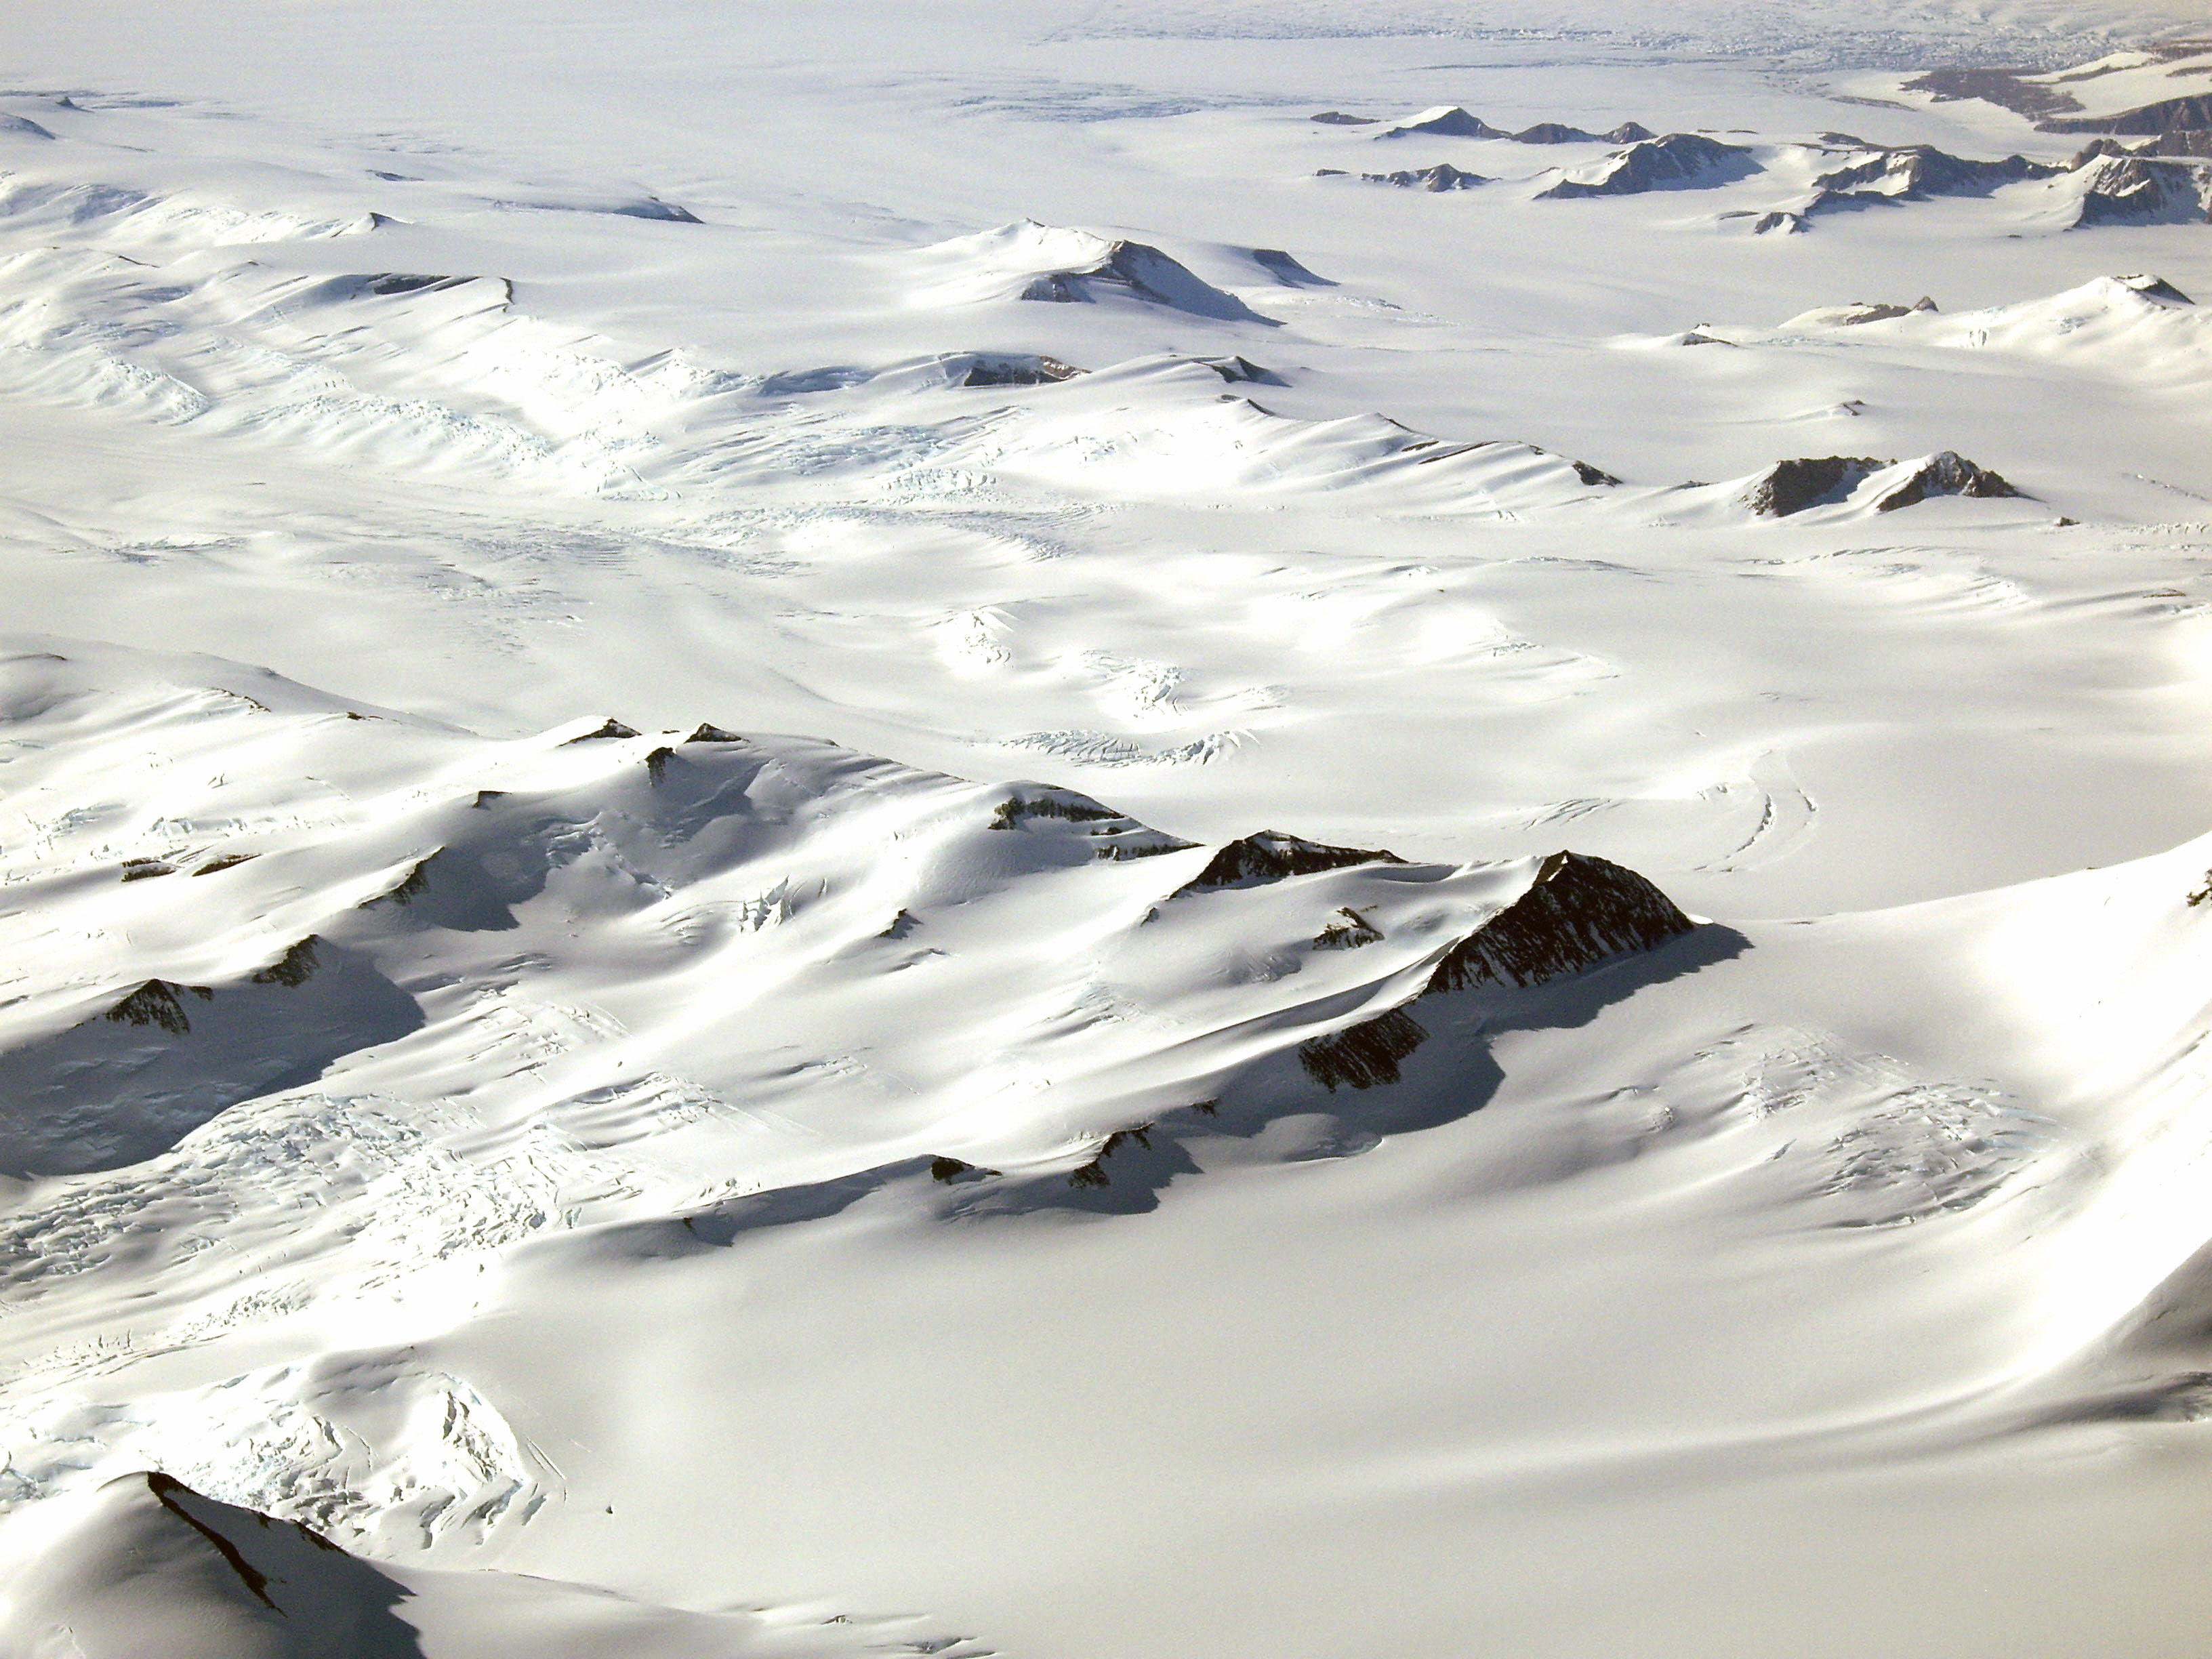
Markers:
1551,132
1916,171
1279,264
2127,190
156,1003
1270,856
1452,123
2001,86
1337,118
1365,1056
1442,177
294,968
1945,474
1243,369
611,729
1656,163
1578,912
2168,115
1792,486
2156,288
1017,371
1137,270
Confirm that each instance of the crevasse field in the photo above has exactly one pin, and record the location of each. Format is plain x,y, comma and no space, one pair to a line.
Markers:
1171,829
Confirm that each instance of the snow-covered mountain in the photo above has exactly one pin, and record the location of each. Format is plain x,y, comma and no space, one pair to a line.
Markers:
1072,832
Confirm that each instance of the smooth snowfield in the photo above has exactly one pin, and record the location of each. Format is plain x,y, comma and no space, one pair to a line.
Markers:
849,829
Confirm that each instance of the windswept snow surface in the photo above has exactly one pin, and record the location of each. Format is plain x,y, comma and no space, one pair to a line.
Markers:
825,829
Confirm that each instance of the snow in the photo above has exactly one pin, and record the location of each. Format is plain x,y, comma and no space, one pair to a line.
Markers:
781,797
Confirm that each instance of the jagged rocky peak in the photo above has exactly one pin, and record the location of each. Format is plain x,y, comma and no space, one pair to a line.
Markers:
1578,912
1794,485
2127,189
1271,856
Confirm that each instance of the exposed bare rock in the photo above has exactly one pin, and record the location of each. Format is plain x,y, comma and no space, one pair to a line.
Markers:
2168,115
1916,171
1945,473
609,729
1551,132
1365,1056
1141,272
1278,264
1337,118
156,1003
1243,369
1114,835
1442,177
1011,370
1655,164
1447,121
2156,288
2126,190
1271,856
1579,911
2003,88
1792,486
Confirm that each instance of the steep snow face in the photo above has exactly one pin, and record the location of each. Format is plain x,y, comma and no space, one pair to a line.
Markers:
1693,1107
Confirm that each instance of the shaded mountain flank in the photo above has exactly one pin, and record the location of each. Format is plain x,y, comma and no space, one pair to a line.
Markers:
145,1565
127,1083
1792,486
2130,190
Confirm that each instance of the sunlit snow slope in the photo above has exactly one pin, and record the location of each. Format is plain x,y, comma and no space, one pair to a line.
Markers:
1184,829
